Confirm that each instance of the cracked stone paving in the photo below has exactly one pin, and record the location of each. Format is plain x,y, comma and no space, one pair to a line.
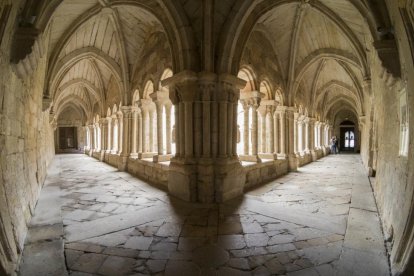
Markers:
92,219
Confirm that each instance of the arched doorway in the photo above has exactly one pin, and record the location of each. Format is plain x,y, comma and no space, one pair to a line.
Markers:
347,139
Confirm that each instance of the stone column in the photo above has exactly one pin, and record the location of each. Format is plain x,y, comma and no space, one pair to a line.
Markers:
270,132
316,138
300,136
263,131
321,134
246,127
235,127
177,132
291,118
311,139
97,137
140,131
276,133
120,132
207,170
306,133
321,137
255,144
125,149
168,127
134,139
145,130
282,120
104,135
92,139
109,137
160,134
223,124
115,135
207,90
151,131
181,130
295,132
198,127
230,125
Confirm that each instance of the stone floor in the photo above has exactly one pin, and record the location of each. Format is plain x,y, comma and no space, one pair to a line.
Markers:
321,220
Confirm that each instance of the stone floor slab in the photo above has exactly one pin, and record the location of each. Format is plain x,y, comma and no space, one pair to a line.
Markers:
311,222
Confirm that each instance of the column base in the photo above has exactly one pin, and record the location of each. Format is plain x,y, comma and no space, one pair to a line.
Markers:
250,158
326,151
208,180
272,156
182,180
314,155
293,162
162,158
90,153
281,156
133,155
143,155
123,163
102,155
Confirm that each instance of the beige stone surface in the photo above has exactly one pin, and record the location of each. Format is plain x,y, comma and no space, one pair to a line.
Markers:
258,233
208,100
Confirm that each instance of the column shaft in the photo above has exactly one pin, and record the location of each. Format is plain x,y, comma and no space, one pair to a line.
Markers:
263,133
160,138
275,133
254,131
306,136
206,129
282,133
109,132
246,130
134,133
197,129
151,131
223,129
140,131
145,131
235,128
230,129
168,127
270,134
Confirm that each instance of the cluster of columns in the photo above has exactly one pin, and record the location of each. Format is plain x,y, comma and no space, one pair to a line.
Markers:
204,110
280,132
134,131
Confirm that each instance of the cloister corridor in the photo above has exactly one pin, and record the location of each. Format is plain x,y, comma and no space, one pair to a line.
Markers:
92,219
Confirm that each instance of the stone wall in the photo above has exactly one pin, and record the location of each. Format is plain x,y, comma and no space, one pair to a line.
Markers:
394,185
149,171
26,149
262,172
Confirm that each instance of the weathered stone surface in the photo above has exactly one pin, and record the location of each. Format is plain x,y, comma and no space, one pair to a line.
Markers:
150,247
210,256
114,265
89,262
44,258
181,268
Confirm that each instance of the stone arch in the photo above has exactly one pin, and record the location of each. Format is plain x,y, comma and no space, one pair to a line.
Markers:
279,96
246,73
148,89
240,26
78,55
135,97
266,89
169,14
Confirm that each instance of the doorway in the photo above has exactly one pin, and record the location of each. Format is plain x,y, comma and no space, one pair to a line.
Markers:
347,139
67,138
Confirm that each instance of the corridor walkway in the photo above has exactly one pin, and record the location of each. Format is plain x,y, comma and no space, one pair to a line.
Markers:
321,220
